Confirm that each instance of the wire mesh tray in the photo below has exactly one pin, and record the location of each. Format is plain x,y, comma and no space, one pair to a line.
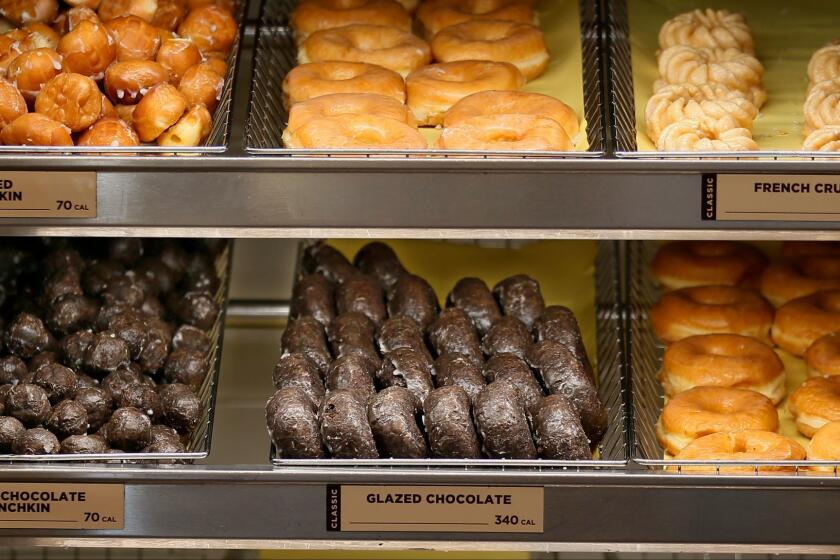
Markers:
276,54
613,448
647,397
198,446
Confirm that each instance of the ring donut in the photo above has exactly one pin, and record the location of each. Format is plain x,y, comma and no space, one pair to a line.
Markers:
500,133
823,356
315,79
802,276
316,15
825,446
815,403
742,445
358,132
799,323
684,264
348,104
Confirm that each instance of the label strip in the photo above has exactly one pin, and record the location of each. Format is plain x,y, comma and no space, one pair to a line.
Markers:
62,506
47,194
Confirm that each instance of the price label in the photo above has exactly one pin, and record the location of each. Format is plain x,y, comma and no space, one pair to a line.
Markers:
47,194
792,198
440,509
62,506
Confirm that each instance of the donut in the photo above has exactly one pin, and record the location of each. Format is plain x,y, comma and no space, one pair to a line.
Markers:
307,81
24,11
825,139
501,133
178,55
169,14
212,28
802,276
815,403
520,44
741,445
12,103
109,132
292,422
435,16
825,446
393,419
707,28
389,47
823,356
38,36
380,261
794,249
824,64
449,423
433,90
454,333
822,106
707,410
723,360
800,322
88,49
68,21
112,9
71,99
461,371
352,333
354,373
400,332
490,103
406,367
508,335
360,132
559,324
202,85
520,296
557,430
136,39
711,309
128,82
159,109
305,335
32,69
192,129
474,297
35,129
348,104
345,429
697,136
313,295
685,264
316,15
502,423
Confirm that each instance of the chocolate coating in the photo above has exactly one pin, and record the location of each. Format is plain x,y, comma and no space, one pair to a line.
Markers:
98,275
559,324
558,432
474,297
461,371
63,259
26,335
107,353
186,366
67,418
502,423
73,348
449,424
174,256
115,383
109,312
10,430
161,433
126,250
363,294
98,404
128,429
154,354
298,371
352,333
313,296
345,430
59,283
454,333
564,374
292,420
201,275
406,367
198,309
328,261
400,332
58,381
181,407
71,312
165,447
133,330
380,261
191,338
392,414
13,370
126,288
142,397
353,373
508,335
28,403
158,277
414,298
305,335
84,380
84,444
511,369
36,441
520,296
41,359
152,307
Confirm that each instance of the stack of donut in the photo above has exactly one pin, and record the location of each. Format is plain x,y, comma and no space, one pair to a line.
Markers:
720,373
822,106
710,90
112,72
365,81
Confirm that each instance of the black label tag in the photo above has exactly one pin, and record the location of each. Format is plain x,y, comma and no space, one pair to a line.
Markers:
708,198
333,507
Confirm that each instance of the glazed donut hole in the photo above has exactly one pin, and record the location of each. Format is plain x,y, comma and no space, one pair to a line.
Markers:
229,5
34,129
32,69
212,29
127,82
202,85
161,108
112,9
71,99
88,49
125,113
190,130
69,20
90,4
12,103
38,36
169,14
217,65
178,55
136,39
26,11
109,132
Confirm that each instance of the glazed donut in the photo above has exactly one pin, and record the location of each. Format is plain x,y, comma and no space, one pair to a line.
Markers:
12,103
323,78
348,104
92,4
112,9
815,403
32,69
229,5
159,109
707,28
315,15
191,130
435,16
73,100
108,110
822,106
824,64
521,44
433,90
38,36
202,85
796,249
109,132
741,445
823,356
125,113
178,55
127,82
707,410
783,282
730,68
709,310
217,65
356,132
88,49
723,360
497,133
24,11
169,14
490,103
719,108
825,139
213,29
800,322
136,39
696,136
684,264
825,446
34,129
69,20
391,48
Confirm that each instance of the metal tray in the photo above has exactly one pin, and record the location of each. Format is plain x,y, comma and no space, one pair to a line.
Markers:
645,358
276,54
199,445
613,448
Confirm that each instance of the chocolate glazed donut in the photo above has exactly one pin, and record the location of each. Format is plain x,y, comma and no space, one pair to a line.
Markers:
414,298
520,297
345,430
328,261
460,371
454,332
511,369
380,261
406,367
508,335
353,373
305,335
296,370
393,418
352,333
502,423
564,374
557,430
313,296
361,293
400,332
474,297
292,420
559,324
449,424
